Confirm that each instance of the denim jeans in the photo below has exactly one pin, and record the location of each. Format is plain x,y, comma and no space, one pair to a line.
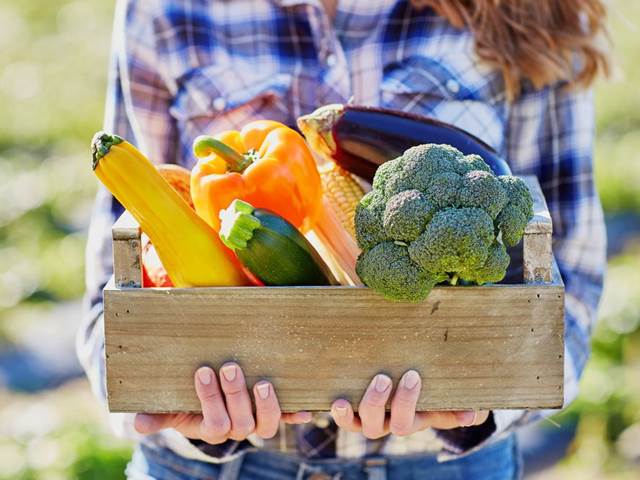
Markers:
498,461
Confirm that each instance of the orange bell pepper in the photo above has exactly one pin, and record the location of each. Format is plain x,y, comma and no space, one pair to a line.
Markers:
266,164
269,165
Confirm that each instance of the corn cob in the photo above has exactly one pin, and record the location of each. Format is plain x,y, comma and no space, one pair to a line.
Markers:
342,192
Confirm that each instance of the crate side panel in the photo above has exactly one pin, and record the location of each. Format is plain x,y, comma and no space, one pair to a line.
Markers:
475,347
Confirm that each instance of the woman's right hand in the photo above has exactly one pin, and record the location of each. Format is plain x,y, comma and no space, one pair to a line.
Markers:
227,413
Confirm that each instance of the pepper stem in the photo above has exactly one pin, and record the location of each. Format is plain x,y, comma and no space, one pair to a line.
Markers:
205,145
101,144
237,225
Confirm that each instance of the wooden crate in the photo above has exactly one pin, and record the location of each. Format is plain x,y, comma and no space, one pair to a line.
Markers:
488,347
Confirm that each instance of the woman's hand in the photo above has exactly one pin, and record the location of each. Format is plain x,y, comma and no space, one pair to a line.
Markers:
373,421
227,412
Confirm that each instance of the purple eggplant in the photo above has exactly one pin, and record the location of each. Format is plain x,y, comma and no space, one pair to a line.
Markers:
360,139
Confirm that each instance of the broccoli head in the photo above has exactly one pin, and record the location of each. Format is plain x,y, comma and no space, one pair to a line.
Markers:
434,214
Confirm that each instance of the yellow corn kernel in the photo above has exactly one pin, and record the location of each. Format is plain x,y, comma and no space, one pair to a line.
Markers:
342,192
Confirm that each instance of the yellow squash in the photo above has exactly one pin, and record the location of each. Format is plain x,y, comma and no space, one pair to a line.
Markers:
189,249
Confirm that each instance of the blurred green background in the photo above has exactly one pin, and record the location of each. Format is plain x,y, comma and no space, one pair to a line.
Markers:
53,64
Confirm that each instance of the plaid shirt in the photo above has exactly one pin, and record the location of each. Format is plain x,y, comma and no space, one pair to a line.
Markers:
182,68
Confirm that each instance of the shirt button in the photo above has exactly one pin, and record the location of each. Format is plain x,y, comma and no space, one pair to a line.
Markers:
322,422
332,60
453,86
219,104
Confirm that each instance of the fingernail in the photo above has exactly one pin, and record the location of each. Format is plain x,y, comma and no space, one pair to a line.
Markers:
229,372
467,419
204,375
263,390
410,379
341,411
381,383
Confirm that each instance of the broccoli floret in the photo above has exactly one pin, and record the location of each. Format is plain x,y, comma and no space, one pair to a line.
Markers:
494,268
469,163
511,223
368,220
406,215
388,269
513,218
419,166
444,189
455,240
384,171
518,194
435,215
483,190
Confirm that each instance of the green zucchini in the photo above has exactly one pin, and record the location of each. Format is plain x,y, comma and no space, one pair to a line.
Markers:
271,248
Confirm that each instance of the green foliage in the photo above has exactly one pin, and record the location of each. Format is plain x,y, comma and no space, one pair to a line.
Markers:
59,434
53,69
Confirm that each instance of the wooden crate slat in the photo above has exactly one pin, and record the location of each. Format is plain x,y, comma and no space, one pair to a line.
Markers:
537,256
541,221
127,263
476,347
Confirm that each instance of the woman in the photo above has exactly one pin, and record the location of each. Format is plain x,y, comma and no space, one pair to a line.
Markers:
514,73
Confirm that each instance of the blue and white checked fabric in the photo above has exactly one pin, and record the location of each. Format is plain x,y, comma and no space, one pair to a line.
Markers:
183,68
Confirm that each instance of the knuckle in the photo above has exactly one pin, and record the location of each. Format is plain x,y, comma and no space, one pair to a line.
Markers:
243,427
217,427
234,390
210,395
400,429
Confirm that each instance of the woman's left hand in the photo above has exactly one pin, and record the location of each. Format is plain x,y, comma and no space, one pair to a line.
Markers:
373,421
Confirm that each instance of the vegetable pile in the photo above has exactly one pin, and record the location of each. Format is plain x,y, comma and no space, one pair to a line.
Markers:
436,215
258,209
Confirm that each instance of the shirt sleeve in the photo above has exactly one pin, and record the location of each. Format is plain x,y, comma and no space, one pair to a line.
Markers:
550,134
139,97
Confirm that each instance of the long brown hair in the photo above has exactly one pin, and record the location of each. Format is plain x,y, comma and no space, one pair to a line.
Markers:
541,41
